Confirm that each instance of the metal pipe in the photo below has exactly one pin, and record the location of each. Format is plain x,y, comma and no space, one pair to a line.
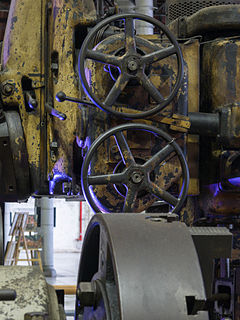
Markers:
68,289
44,207
126,6
144,7
205,124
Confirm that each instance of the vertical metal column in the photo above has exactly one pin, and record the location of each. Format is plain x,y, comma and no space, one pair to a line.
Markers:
44,209
144,7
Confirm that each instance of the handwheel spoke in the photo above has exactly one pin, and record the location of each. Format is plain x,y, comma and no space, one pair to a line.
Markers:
163,194
158,157
124,149
117,88
130,200
102,57
159,55
151,89
106,178
130,35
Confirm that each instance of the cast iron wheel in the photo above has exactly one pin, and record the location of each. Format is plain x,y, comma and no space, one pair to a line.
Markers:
140,262
135,177
132,65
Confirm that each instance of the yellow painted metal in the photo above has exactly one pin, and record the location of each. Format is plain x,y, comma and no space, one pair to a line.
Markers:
22,56
27,52
68,289
42,38
63,41
106,160
191,54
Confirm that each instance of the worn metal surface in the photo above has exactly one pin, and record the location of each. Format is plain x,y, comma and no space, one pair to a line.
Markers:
207,21
131,64
19,154
52,31
65,43
219,94
150,265
14,171
218,242
19,61
33,295
162,75
191,55
133,181
182,8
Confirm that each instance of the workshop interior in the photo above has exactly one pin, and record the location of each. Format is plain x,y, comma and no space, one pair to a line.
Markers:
132,106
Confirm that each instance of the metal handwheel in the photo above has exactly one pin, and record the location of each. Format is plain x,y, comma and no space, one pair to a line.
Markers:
134,176
131,65
134,266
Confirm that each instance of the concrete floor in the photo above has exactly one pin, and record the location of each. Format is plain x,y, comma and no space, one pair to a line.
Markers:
66,266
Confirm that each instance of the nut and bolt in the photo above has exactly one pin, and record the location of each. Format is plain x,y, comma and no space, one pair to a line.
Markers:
137,177
87,293
66,187
7,89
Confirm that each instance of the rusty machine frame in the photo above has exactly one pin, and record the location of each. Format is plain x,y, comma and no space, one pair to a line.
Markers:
145,126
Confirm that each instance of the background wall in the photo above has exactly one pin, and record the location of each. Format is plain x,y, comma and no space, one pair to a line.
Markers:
67,231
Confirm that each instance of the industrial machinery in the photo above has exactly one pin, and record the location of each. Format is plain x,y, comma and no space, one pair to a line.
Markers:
100,99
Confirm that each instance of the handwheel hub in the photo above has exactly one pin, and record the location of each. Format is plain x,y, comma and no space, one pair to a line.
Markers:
132,65
137,177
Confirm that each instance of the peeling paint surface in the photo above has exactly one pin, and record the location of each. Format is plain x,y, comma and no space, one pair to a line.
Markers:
31,288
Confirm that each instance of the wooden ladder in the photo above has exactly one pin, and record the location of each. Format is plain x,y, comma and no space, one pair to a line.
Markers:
18,243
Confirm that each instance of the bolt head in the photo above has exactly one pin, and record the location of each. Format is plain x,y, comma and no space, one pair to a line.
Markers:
7,89
136,177
132,65
86,293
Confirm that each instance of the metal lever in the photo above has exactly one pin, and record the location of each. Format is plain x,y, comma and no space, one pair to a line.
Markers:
32,103
7,294
55,112
61,96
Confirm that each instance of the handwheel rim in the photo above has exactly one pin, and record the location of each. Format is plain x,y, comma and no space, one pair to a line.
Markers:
82,57
132,126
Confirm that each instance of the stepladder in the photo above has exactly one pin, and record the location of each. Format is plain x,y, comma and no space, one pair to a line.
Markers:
23,245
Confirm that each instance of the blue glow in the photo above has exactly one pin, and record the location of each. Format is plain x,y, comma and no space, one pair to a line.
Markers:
58,177
97,201
215,189
107,68
235,181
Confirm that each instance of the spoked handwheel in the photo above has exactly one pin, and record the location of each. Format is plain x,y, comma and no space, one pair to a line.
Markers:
136,266
135,178
132,65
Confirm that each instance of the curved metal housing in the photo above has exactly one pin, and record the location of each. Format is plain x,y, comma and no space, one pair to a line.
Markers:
181,8
151,263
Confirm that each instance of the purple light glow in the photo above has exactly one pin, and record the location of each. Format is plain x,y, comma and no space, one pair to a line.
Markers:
58,177
97,202
235,181
214,188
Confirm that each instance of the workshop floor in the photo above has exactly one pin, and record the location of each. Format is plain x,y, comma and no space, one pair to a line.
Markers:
66,266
